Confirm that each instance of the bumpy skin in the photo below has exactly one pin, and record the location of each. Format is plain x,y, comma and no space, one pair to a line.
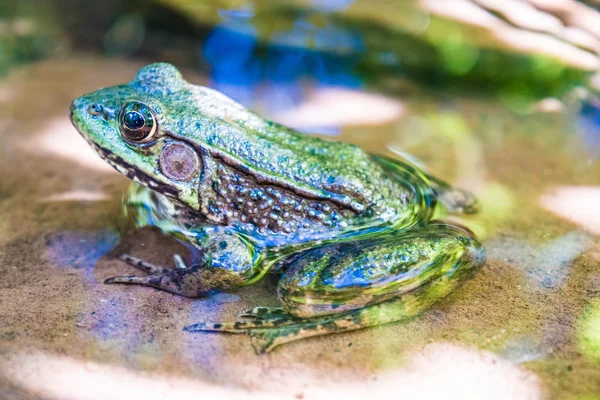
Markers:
346,232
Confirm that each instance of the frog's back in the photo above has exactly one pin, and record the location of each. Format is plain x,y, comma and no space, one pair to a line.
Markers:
277,179
278,156
340,172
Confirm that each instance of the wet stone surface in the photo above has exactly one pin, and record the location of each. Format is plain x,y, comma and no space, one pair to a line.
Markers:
526,326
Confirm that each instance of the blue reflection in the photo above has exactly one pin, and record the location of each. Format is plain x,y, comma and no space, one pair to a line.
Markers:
209,309
229,50
555,259
589,123
331,5
328,55
81,250
107,320
277,73
548,266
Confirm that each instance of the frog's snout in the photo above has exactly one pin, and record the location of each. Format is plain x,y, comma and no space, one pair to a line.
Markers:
84,108
78,110
72,109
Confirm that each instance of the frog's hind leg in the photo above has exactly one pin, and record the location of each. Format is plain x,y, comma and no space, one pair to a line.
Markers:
266,334
270,332
254,318
348,286
454,200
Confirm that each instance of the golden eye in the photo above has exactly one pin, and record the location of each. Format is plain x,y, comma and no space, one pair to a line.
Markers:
137,122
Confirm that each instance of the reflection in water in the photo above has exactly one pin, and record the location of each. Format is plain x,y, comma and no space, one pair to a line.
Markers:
454,134
547,266
107,320
81,250
553,264
270,74
498,201
213,306
589,124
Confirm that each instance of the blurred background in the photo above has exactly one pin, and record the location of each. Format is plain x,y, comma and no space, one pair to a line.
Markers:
271,54
499,97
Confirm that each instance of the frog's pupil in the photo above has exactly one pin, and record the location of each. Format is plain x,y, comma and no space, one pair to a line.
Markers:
134,120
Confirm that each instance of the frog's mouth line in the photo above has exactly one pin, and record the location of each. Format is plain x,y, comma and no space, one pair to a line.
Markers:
133,173
125,168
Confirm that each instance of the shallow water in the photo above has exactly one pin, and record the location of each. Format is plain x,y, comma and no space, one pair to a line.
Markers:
527,326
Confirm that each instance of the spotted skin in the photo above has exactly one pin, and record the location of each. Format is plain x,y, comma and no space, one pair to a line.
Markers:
346,236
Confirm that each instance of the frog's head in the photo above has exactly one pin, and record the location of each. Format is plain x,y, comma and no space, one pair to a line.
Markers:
129,126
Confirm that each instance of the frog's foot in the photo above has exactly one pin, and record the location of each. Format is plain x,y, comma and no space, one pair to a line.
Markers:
146,267
168,279
244,326
142,265
271,331
233,263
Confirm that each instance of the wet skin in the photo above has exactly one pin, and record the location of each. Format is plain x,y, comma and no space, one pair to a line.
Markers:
348,237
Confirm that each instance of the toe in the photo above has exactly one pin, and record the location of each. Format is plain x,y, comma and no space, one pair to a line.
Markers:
142,265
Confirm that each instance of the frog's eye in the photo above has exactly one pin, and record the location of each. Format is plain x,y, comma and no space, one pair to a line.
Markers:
137,122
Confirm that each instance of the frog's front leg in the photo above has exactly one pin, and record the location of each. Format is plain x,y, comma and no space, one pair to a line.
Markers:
227,262
348,286
171,280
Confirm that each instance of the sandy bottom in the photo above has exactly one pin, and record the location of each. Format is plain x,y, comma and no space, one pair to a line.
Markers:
526,327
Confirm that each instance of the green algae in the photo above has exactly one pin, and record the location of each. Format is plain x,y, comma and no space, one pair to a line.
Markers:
589,332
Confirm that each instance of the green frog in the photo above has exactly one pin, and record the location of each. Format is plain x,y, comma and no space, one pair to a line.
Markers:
349,238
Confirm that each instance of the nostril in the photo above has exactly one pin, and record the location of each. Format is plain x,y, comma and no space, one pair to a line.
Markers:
95,109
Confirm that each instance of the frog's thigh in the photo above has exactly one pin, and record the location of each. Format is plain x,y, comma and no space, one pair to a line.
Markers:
416,267
345,287
349,286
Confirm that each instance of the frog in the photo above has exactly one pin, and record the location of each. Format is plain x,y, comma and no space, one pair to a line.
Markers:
348,239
